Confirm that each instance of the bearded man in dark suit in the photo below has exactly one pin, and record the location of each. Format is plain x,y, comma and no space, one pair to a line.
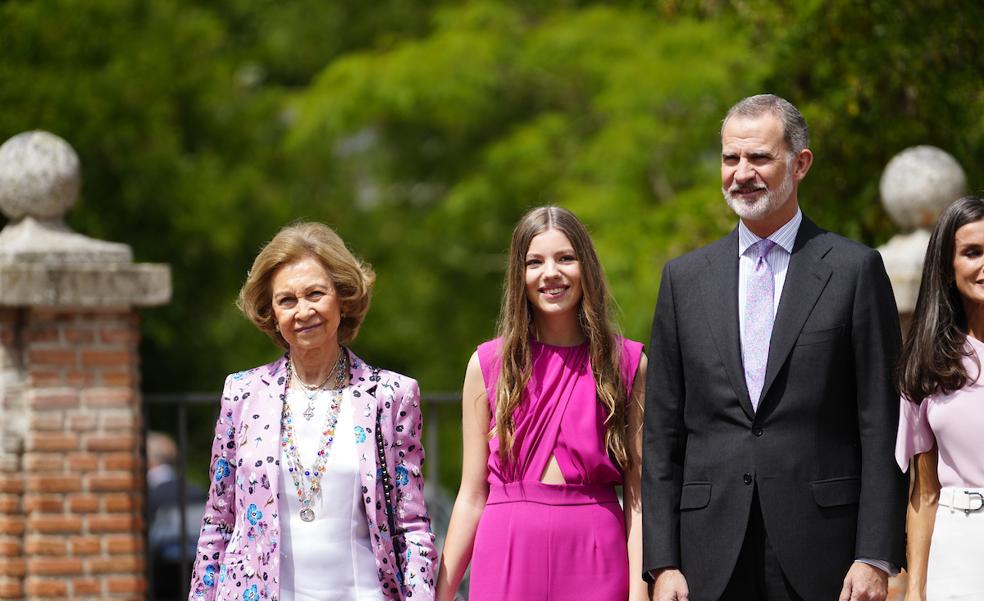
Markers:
770,420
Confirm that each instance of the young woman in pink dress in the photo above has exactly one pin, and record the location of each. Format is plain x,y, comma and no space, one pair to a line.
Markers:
551,418
942,414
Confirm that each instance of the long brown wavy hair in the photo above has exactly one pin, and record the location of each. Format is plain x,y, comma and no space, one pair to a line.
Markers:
595,315
932,355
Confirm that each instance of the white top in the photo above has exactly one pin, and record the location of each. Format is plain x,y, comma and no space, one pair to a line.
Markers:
330,558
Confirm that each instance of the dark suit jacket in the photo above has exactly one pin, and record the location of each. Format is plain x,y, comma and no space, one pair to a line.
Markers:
820,447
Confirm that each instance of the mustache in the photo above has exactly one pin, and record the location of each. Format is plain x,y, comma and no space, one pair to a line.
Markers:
747,188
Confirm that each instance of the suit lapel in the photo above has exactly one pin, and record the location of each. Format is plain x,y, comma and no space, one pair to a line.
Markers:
806,278
720,297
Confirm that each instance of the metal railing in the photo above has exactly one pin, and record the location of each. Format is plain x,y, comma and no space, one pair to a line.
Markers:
439,502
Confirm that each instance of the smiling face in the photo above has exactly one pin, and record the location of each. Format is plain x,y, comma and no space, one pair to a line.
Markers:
968,265
553,275
305,306
758,172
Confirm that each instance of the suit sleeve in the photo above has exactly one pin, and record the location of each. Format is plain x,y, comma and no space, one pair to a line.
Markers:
412,520
876,339
664,437
219,519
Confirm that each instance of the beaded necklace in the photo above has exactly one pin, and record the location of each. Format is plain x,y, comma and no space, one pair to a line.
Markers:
308,481
311,390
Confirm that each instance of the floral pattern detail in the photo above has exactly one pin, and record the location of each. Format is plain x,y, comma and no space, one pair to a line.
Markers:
251,594
402,476
222,469
239,546
253,514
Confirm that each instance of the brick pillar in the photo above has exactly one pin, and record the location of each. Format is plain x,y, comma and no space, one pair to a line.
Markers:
11,481
71,471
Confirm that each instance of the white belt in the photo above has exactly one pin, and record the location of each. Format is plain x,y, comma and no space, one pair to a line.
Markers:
968,500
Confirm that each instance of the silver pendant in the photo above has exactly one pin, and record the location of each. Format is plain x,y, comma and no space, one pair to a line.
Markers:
307,514
309,412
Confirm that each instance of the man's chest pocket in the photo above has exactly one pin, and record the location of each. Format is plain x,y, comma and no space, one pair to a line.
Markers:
821,336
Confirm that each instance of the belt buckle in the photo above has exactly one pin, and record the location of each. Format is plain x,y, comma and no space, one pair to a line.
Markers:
980,499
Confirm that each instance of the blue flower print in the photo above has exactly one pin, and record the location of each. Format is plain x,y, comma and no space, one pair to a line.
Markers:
209,577
222,573
402,476
253,514
222,469
251,594
360,434
240,375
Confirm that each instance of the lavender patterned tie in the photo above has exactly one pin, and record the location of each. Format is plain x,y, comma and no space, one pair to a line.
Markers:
759,315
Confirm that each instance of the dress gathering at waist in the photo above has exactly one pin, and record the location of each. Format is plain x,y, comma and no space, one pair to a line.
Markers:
552,494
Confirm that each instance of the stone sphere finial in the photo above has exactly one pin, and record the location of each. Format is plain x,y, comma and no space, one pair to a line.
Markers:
918,183
39,176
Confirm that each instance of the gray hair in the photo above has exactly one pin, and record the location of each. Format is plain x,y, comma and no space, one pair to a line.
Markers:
795,132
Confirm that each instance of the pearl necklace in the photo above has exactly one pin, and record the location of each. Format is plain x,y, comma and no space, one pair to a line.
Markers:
308,481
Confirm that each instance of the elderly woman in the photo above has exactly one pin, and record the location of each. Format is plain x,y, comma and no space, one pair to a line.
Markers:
316,491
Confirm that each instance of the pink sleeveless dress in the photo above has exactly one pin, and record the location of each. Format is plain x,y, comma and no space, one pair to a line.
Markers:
553,542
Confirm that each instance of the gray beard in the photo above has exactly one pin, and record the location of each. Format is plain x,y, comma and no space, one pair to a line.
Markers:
765,205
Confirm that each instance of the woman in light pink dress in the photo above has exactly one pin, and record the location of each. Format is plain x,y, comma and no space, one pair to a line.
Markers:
551,424
941,423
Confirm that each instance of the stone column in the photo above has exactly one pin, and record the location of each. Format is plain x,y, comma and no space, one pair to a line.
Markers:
71,469
917,184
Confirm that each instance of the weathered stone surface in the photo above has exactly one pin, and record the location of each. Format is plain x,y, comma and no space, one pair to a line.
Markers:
39,176
43,263
918,183
903,256
84,285
51,242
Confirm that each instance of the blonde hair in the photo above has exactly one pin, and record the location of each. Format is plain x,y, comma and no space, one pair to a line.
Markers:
595,315
352,278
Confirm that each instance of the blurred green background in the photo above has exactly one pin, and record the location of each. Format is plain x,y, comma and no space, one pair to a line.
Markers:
421,130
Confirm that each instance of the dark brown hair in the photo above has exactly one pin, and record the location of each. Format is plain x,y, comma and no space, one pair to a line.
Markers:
932,354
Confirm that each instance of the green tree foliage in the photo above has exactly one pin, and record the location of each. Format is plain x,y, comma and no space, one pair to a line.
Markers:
177,111
872,79
608,111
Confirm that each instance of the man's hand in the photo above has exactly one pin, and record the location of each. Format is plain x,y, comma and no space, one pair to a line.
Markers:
864,583
670,585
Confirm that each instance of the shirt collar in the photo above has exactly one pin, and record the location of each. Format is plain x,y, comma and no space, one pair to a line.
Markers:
784,237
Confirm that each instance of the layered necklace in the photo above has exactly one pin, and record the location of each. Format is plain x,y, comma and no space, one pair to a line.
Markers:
307,481
311,390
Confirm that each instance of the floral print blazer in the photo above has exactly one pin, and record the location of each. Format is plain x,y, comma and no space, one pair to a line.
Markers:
238,557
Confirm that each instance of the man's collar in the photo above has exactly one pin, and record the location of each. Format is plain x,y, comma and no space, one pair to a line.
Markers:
785,236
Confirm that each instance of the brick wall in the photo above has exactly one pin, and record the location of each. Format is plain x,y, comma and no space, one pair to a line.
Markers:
11,480
71,504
